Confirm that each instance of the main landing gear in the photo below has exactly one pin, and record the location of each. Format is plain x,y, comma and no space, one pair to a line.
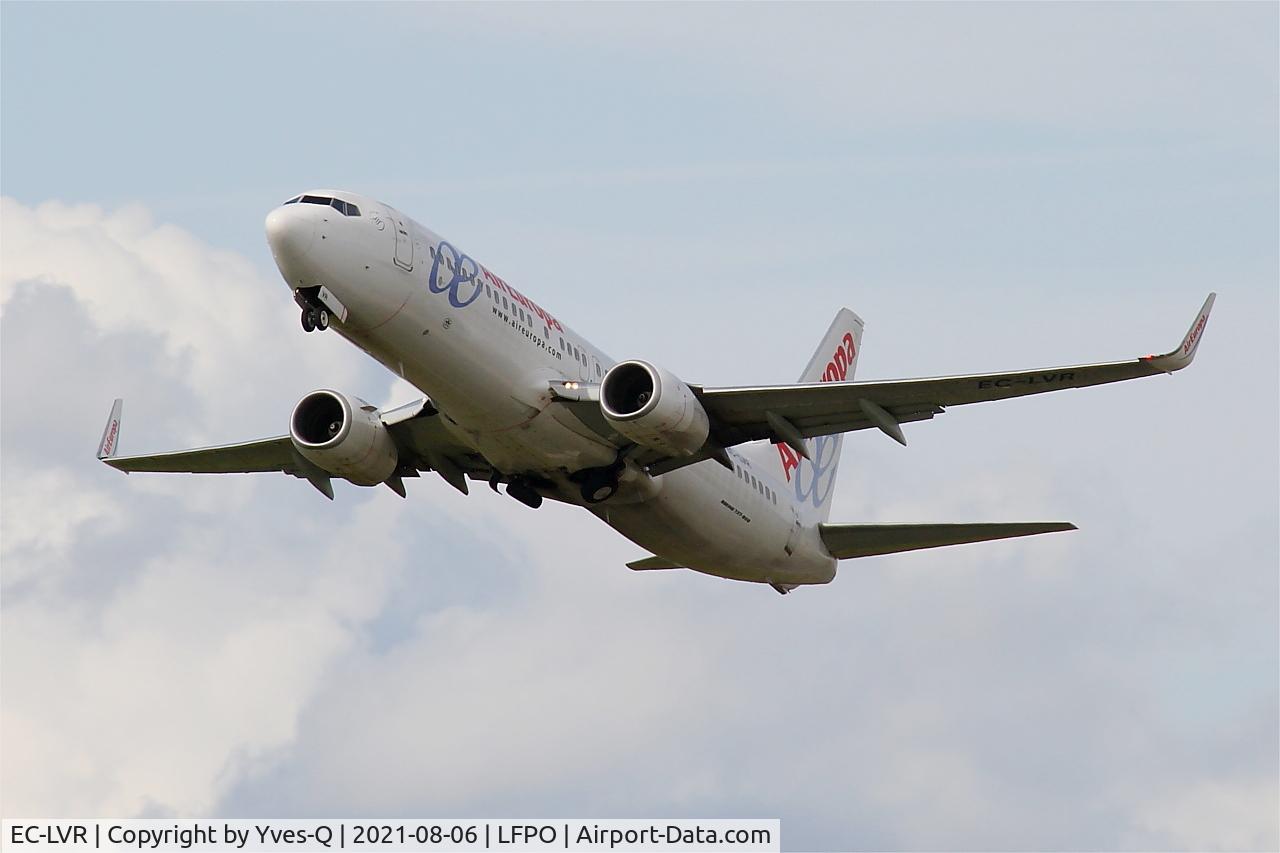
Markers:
599,484
525,493
520,489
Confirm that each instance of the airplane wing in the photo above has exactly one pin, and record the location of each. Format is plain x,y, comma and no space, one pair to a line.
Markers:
422,441
744,414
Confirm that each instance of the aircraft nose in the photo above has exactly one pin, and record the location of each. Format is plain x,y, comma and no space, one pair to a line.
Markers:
290,233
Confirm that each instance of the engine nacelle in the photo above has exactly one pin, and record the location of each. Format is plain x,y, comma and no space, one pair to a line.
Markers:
344,436
653,408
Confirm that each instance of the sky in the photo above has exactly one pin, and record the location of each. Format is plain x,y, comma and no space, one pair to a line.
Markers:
990,187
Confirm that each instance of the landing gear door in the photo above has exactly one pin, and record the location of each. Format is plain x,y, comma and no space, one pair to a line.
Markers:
404,242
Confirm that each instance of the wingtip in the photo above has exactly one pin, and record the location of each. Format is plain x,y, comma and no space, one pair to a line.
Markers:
110,443
1186,351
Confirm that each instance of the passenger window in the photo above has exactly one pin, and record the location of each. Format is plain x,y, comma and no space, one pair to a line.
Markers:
488,292
505,306
562,344
432,250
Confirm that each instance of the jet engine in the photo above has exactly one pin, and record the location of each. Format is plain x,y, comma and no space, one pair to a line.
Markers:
344,436
650,406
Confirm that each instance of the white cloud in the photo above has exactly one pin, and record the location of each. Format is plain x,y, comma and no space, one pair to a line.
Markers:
155,696
145,658
1211,815
219,317
41,522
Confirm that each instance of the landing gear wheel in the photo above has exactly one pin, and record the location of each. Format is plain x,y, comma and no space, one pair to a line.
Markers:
308,319
599,486
598,494
322,319
524,493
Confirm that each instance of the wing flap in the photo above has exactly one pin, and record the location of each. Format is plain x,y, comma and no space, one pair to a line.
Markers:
847,541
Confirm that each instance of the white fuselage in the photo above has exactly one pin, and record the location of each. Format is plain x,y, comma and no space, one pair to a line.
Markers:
486,354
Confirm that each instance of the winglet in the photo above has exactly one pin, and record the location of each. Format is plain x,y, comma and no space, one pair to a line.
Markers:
111,433
1186,351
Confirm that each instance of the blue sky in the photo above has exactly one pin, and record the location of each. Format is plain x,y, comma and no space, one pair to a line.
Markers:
989,186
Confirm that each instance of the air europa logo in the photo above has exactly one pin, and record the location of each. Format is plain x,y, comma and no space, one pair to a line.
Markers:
463,270
838,366
1195,334
109,442
813,479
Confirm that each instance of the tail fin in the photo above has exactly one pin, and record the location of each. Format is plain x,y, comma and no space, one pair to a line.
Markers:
813,479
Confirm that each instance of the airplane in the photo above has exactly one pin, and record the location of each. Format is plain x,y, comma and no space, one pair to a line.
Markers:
734,482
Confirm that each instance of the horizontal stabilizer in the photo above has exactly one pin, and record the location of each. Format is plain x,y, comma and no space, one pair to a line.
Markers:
649,564
846,541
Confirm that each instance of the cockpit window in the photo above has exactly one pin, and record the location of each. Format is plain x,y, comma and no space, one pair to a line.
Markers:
346,208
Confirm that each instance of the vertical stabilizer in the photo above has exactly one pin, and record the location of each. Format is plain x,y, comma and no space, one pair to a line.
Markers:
812,480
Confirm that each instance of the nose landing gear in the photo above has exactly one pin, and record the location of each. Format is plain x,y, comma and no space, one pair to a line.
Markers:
314,318
315,314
